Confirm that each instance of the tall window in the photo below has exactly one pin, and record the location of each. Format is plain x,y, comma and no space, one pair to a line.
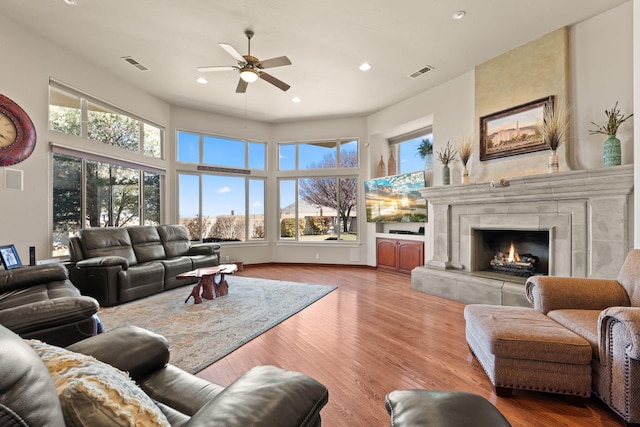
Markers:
89,189
89,193
222,208
225,207
406,150
78,114
321,203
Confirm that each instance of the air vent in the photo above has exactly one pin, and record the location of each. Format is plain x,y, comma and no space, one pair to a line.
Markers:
135,63
421,71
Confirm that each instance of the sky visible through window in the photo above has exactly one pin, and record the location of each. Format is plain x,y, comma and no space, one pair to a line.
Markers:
408,158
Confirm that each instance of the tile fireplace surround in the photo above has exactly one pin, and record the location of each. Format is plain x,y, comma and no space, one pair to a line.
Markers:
588,214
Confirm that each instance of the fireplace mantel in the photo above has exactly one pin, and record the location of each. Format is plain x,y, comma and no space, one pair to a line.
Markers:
588,215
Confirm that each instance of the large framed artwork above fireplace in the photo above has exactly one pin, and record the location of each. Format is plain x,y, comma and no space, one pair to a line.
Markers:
577,223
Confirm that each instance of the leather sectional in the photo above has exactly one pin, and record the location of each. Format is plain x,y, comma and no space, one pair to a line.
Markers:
116,265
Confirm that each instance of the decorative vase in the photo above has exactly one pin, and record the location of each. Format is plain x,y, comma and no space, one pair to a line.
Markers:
553,162
391,166
465,175
428,162
446,175
612,152
381,168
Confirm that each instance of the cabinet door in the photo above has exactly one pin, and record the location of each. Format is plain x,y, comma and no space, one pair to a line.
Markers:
410,255
387,254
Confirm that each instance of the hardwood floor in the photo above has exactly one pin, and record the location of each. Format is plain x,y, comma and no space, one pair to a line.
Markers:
373,335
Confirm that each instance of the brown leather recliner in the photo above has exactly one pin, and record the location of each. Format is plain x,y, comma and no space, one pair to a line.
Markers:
264,396
40,302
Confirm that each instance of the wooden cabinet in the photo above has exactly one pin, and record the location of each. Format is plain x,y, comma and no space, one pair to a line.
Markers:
400,256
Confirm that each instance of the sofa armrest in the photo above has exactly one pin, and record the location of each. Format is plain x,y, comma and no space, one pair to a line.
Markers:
622,322
204,249
128,348
265,396
553,293
103,261
47,314
25,277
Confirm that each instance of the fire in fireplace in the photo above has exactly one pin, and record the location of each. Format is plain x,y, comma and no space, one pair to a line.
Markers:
513,263
511,252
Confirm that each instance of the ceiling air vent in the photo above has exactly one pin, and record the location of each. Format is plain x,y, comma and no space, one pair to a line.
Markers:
421,71
135,63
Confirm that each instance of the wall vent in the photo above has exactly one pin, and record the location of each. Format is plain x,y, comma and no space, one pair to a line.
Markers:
420,72
135,63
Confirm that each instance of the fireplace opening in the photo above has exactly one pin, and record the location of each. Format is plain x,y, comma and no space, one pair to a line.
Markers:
512,252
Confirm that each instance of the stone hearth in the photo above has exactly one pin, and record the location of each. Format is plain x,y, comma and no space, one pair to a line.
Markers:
588,215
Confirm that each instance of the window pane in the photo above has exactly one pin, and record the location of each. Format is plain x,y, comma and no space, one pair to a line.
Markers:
349,154
125,196
317,155
288,209
98,195
223,152
256,209
189,204
257,156
151,193
188,147
64,112
67,201
113,128
347,203
223,208
152,141
408,158
287,157
317,207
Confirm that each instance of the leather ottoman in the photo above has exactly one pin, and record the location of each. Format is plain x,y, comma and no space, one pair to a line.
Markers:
521,348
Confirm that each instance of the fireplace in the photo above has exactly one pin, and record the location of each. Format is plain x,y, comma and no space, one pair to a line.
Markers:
510,252
577,223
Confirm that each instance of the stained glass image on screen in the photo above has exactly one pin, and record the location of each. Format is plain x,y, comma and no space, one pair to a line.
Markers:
396,198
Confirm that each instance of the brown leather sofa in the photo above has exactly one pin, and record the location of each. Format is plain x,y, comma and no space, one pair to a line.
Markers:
40,302
606,313
116,265
264,396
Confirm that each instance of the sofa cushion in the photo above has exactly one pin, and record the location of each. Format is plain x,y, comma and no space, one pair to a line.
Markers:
582,322
93,393
146,243
140,281
175,239
173,267
109,241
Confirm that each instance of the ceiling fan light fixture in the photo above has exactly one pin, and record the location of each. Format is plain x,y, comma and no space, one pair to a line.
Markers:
248,75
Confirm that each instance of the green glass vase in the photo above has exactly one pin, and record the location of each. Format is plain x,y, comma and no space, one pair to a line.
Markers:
446,175
612,152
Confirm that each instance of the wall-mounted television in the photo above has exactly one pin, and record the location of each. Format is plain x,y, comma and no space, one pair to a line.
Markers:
396,198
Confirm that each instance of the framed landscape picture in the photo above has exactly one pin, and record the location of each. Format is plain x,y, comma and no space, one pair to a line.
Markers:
10,257
513,131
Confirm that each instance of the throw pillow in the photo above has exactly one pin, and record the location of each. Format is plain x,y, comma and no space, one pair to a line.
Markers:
93,393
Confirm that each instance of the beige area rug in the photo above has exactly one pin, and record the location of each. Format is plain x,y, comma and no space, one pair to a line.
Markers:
200,334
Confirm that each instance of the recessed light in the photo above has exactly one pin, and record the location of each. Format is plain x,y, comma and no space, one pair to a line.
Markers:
202,80
459,14
365,66
71,2
296,99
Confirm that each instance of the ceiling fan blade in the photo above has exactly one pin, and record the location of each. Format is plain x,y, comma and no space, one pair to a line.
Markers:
242,86
217,68
233,52
277,83
275,62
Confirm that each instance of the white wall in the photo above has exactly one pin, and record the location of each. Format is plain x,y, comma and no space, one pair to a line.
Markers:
25,216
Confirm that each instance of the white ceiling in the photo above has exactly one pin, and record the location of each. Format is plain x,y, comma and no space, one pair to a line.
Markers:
326,40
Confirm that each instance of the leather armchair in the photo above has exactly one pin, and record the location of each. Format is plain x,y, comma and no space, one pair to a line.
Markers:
264,396
606,313
40,302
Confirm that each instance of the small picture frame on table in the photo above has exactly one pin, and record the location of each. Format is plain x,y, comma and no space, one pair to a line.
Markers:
9,256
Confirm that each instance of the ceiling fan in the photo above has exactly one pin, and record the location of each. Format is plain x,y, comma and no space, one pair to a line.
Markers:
250,67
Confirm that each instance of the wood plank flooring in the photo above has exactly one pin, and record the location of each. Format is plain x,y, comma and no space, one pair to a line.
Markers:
373,335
